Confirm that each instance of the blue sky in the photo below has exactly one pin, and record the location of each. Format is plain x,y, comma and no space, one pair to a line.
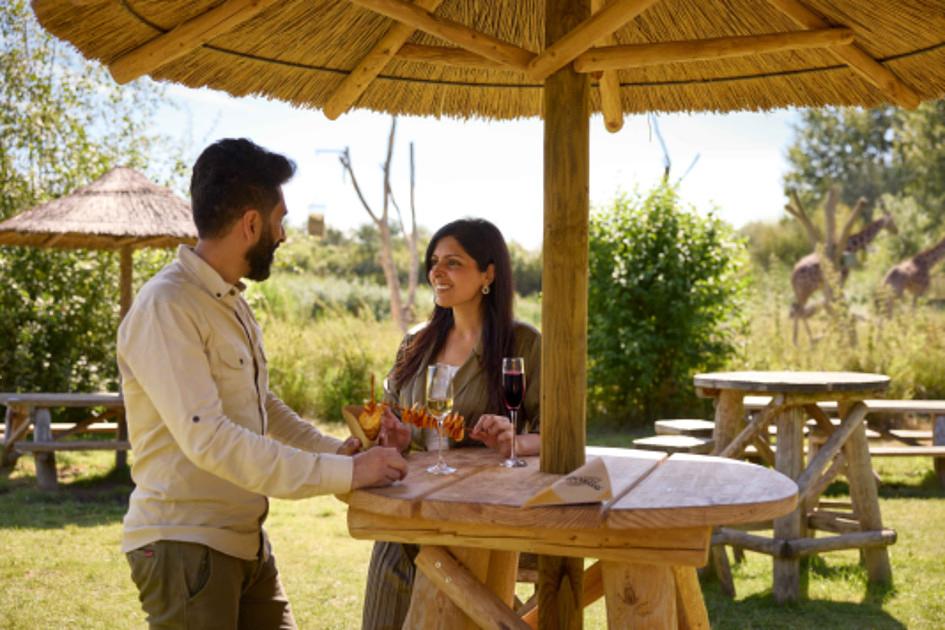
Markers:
488,168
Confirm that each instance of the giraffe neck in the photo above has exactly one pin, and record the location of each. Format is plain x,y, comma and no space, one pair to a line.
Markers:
864,237
932,255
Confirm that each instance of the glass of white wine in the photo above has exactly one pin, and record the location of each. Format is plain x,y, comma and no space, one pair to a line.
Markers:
440,403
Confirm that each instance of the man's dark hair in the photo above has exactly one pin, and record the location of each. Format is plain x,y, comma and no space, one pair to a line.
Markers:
231,176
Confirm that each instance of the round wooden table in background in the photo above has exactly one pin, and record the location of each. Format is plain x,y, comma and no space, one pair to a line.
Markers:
794,399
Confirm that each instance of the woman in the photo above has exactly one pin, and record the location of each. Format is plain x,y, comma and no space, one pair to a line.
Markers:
472,329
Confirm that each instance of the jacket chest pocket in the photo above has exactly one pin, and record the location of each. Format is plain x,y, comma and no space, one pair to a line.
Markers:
233,370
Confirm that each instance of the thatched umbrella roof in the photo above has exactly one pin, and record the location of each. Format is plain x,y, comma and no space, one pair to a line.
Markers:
514,58
123,208
301,51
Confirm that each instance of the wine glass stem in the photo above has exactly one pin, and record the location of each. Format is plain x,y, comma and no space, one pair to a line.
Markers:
439,442
513,417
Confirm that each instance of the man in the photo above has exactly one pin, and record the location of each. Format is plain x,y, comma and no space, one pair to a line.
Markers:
211,441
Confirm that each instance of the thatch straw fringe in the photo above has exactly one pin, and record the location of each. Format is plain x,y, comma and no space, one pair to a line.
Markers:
300,50
122,208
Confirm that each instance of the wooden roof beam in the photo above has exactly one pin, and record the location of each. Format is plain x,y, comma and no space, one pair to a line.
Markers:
854,56
185,38
360,78
448,56
636,55
453,32
608,85
586,34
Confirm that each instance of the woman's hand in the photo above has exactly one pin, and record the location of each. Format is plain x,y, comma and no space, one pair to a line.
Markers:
495,432
394,432
350,446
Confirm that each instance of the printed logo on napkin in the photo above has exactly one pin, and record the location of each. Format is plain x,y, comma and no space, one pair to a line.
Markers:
588,484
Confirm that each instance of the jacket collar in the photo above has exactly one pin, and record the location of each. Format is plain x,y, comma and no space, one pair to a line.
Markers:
206,276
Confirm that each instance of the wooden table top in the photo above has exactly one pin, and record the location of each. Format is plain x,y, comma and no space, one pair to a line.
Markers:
794,382
37,399
651,491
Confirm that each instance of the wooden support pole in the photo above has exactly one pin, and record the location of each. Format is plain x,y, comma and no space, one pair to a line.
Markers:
639,595
448,56
566,108
818,487
729,418
831,447
453,32
184,38
789,461
593,590
820,417
854,56
465,591
358,80
690,606
45,460
854,540
754,428
126,272
608,85
865,499
832,522
583,35
754,542
938,439
640,55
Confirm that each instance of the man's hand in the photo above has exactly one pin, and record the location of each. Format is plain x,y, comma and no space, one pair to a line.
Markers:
394,432
495,432
378,466
350,446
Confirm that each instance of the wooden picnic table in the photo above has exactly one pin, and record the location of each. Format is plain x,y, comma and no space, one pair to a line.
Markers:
649,538
794,399
33,409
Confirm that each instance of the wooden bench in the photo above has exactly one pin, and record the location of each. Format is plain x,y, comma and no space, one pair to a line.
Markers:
693,427
31,413
675,444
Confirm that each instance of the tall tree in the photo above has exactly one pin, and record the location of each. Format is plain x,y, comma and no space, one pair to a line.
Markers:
63,123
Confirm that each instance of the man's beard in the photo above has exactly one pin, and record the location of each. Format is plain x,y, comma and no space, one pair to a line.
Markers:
260,257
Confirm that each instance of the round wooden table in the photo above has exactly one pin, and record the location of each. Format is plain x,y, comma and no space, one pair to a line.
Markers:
794,398
649,537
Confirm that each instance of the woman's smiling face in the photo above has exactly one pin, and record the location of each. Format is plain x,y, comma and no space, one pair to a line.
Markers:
454,274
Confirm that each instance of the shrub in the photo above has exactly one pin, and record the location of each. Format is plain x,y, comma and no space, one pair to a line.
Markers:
665,293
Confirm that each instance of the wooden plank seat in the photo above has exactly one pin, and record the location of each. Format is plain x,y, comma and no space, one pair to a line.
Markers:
694,427
675,444
73,445
907,451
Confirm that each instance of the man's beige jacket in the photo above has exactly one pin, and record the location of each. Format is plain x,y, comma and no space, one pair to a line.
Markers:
210,441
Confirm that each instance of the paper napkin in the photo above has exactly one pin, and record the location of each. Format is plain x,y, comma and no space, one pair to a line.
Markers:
588,484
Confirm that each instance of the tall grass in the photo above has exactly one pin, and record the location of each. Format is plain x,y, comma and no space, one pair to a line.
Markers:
858,335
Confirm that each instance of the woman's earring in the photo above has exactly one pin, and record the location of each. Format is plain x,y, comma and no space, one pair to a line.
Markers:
485,289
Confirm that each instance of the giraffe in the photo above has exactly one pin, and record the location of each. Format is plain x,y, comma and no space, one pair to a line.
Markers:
808,275
912,274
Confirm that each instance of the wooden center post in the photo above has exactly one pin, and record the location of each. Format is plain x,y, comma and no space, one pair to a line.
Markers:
566,109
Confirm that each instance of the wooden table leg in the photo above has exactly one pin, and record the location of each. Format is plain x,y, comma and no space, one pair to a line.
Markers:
938,439
639,596
121,457
789,461
16,424
690,605
45,462
865,500
465,570
729,418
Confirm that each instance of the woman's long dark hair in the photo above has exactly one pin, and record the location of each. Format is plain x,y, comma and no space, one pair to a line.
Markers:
484,243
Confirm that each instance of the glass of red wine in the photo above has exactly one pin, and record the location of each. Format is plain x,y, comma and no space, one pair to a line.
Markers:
513,394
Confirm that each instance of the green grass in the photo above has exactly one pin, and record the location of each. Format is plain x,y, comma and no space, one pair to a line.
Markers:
61,566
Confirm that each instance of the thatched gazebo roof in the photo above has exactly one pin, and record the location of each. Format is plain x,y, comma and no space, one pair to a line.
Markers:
123,208
713,56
